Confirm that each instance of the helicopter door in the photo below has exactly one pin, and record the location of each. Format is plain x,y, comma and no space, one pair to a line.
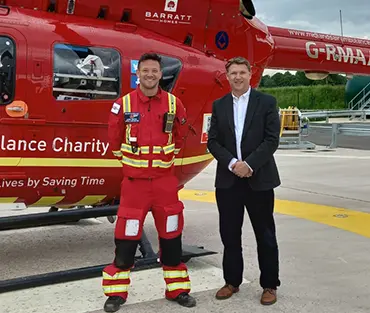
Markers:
195,156
13,49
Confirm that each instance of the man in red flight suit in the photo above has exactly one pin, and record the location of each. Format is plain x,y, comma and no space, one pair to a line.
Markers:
146,130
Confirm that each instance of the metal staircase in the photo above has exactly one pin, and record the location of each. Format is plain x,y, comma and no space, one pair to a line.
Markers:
361,102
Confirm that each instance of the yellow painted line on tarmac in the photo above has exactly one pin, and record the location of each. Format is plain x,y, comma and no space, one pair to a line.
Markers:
353,221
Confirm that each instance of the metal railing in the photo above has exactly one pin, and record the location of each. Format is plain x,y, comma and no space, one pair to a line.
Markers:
336,113
296,124
345,129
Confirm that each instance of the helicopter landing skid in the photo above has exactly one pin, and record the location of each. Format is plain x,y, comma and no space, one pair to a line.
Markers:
147,259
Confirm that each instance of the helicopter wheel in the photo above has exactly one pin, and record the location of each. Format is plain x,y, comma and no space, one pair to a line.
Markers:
53,209
111,219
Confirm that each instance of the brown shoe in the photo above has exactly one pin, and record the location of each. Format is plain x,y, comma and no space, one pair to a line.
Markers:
268,296
226,292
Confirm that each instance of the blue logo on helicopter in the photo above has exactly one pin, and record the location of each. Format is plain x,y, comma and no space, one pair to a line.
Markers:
222,40
134,81
134,64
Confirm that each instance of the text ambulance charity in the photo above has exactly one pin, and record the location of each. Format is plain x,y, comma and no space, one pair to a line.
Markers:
58,145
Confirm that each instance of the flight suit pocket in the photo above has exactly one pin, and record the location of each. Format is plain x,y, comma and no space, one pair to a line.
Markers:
129,223
174,218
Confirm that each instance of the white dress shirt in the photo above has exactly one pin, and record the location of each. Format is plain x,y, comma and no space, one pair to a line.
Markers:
240,111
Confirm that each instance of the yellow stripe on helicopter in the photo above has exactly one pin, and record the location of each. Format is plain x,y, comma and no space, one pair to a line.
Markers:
65,162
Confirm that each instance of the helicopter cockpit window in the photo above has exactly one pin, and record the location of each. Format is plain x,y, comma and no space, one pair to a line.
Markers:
7,70
171,68
86,73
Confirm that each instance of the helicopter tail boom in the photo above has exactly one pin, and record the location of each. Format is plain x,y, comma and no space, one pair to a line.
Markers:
319,53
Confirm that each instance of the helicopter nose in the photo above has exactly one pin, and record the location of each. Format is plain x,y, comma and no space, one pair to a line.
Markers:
247,9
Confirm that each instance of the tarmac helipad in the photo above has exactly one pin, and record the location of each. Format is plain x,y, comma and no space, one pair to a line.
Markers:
323,228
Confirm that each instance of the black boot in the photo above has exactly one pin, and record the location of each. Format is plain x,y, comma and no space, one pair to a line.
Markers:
113,304
185,299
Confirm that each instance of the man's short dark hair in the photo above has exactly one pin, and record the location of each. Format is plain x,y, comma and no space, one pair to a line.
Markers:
150,56
237,60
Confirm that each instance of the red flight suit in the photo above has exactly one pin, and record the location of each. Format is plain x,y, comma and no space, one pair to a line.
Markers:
147,153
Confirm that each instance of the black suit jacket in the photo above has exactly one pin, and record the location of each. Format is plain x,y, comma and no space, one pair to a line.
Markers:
260,140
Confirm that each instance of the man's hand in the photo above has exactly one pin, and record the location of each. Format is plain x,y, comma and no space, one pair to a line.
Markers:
241,169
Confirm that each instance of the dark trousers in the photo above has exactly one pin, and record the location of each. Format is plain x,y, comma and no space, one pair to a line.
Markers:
260,206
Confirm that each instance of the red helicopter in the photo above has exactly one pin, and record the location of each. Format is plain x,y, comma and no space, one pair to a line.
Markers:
64,62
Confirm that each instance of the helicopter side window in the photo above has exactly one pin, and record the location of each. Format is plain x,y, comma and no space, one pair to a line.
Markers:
171,68
86,73
7,70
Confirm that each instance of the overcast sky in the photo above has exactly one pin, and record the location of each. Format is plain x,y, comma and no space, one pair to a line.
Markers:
317,15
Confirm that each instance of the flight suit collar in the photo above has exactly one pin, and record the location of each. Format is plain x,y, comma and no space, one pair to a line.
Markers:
144,98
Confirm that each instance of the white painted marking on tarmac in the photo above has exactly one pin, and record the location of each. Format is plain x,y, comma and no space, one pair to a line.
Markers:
16,207
343,260
87,295
312,155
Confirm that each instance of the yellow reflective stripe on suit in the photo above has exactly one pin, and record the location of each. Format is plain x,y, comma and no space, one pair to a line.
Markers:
176,286
134,163
117,276
163,164
169,138
127,108
145,163
157,149
175,274
126,103
171,109
171,103
145,149
166,149
117,153
115,288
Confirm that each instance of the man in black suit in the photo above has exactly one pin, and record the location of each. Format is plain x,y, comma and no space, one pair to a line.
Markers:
243,136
